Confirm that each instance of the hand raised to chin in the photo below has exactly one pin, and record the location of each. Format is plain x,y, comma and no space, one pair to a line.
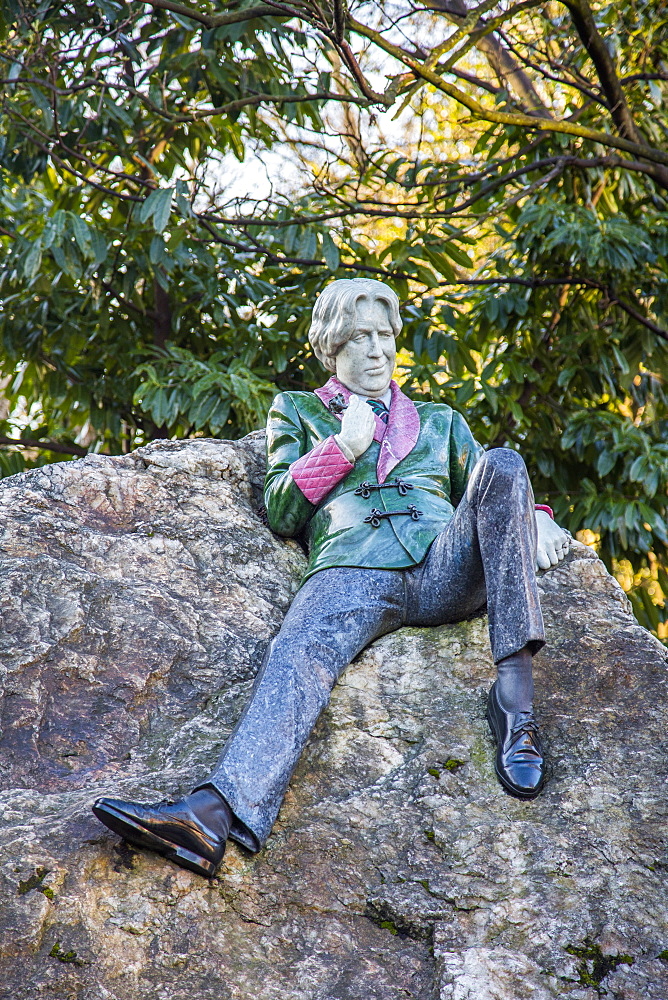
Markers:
358,426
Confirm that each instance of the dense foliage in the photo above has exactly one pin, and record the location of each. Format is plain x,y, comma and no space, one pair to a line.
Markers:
504,167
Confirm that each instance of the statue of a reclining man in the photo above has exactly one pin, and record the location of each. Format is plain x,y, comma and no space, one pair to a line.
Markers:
408,522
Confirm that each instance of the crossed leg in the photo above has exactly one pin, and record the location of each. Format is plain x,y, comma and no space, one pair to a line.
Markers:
486,552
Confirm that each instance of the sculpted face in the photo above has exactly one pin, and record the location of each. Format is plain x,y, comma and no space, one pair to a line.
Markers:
365,362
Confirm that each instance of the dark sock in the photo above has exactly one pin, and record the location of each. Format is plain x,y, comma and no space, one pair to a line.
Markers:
514,686
211,808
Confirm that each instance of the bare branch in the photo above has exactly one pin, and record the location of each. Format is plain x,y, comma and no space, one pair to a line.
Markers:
217,20
502,63
126,302
55,446
583,19
370,208
360,79
475,80
635,314
340,14
245,102
586,91
643,76
478,111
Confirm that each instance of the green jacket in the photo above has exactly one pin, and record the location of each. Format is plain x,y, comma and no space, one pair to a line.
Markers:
427,446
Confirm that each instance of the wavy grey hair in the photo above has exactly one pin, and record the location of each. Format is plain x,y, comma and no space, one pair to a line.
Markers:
335,315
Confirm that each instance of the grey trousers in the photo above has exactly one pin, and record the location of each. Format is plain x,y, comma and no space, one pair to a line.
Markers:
486,553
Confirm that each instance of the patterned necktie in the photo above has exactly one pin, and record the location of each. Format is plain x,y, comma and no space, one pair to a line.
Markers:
379,408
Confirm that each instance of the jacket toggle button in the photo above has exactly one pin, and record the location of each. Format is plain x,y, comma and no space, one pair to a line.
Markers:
376,515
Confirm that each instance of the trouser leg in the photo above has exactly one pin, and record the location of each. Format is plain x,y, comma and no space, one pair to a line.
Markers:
487,551
333,617
514,682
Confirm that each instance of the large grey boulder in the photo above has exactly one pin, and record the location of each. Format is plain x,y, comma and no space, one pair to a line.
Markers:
137,595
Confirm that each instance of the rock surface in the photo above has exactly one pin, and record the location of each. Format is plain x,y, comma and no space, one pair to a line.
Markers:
137,595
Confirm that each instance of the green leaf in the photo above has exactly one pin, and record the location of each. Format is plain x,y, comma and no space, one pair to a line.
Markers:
637,470
307,245
157,250
426,276
236,142
81,233
457,255
605,463
622,363
491,396
33,260
441,263
158,206
330,252
67,259
291,239
491,309
98,247
162,210
484,138
158,408
465,393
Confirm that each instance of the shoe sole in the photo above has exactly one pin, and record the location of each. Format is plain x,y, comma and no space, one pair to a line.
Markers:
511,789
136,834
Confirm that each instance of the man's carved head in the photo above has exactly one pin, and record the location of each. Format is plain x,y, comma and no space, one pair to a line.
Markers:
334,319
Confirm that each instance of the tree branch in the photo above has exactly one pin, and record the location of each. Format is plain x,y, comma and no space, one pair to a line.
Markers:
48,148
475,80
633,312
525,121
501,61
643,76
245,102
218,20
375,208
597,50
55,446
384,272
581,88
122,301
358,75
585,25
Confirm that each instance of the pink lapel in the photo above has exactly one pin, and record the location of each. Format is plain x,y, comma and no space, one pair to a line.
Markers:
403,430
335,388
330,389
400,435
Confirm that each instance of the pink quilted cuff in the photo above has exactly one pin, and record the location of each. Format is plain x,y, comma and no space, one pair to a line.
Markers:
320,470
548,510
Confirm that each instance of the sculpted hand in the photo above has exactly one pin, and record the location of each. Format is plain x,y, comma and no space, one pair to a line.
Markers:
553,542
357,426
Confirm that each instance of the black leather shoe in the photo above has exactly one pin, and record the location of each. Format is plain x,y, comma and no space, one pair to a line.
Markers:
170,828
519,763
